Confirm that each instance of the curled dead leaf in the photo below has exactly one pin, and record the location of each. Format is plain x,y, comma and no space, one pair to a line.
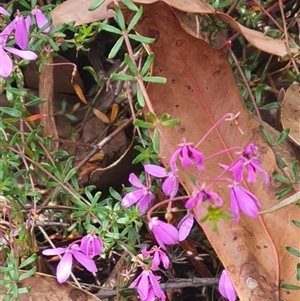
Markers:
80,93
100,115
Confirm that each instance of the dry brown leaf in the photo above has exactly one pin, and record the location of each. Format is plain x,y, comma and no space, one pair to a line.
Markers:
77,10
255,38
200,89
290,113
100,116
45,288
80,93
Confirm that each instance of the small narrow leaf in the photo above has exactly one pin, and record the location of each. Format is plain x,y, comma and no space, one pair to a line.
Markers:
120,18
109,28
154,79
290,286
135,19
100,116
293,251
71,173
147,64
143,124
114,112
116,48
283,135
123,77
95,5
141,39
130,5
296,223
265,134
11,112
156,141
298,272
295,171
130,64
80,93
140,96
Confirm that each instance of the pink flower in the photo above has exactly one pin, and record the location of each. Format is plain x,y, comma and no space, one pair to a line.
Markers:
226,287
247,159
200,196
4,11
142,195
158,257
6,65
21,31
148,286
40,19
188,155
91,245
185,226
64,267
170,184
243,200
164,233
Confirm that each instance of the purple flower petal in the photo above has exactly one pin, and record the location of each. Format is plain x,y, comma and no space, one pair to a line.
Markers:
170,185
164,259
226,287
6,32
132,197
155,261
64,267
143,286
165,234
186,160
4,11
185,226
21,34
156,171
237,170
156,287
41,19
91,245
135,181
88,263
145,201
25,54
6,65
53,252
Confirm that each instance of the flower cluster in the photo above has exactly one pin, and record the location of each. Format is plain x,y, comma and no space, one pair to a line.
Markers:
147,283
90,246
186,155
19,27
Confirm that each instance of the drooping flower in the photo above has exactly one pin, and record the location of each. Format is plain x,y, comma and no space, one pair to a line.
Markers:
188,156
4,11
64,267
6,65
170,184
142,196
243,200
247,159
158,256
185,226
91,245
164,233
148,286
41,19
226,287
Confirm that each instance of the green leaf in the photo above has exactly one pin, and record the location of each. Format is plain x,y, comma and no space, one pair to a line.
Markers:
11,112
135,19
283,192
71,173
35,102
279,160
296,223
290,286
154,79
115,194
120,18
295,171
130,5
116,48
140,96
293,251
148,63
27,274
156,141
298,272
130,64
25,4
265,135
141,39
170,122
269,106
95,5
143,124
281,178
122,76
28,261
283,135
109,28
